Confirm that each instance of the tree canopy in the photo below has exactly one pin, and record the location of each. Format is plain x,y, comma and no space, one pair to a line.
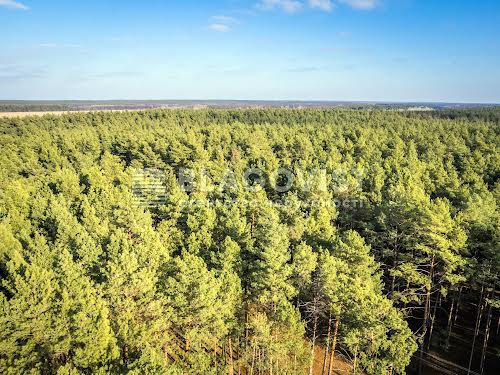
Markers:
238,241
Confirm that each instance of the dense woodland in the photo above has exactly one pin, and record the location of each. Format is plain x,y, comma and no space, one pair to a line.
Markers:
249,280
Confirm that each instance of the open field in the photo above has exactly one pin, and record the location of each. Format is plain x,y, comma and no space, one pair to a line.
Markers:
60,113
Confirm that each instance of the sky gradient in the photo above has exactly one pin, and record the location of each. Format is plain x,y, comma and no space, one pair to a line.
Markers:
376,50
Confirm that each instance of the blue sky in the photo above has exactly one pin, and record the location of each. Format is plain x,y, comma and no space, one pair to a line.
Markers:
381,50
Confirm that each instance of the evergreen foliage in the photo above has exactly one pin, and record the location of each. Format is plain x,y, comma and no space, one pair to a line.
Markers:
223,279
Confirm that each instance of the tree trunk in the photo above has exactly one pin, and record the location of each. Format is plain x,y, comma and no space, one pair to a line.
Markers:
253,359
252,225
259,355
426,318
478,323
246,325
450,315
355,361
238,354
395,264
424,333
458,305
315,326
325,359
125,354
270,355
230,352
486,337
433,318
407,287
165,352
333,346
481,310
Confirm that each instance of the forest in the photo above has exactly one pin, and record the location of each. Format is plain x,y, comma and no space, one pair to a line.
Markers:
250,242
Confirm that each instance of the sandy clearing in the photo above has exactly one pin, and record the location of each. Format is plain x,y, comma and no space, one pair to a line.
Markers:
59,113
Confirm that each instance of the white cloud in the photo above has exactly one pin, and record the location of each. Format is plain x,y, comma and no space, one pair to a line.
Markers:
325,5
222,24
55,45
289,6
293,6
219,27
12,4
46,45
224,19
360,4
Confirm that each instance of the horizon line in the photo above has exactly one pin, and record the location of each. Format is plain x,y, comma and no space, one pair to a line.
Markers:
259,100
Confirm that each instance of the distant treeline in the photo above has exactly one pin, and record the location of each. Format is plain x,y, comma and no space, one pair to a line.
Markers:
441,110
74,106
13,107
491,114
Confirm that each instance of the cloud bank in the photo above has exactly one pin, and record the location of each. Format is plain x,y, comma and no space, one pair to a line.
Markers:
324,5
219,27
289,6
12,4
360,4
222,24
293,6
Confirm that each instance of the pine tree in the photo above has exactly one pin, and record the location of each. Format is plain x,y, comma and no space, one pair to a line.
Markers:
57,320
